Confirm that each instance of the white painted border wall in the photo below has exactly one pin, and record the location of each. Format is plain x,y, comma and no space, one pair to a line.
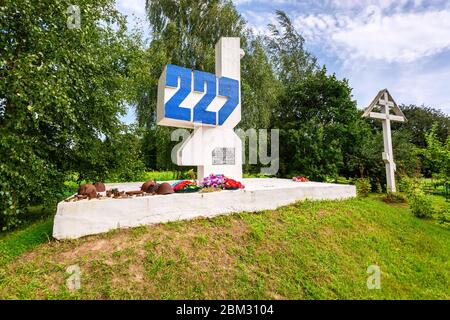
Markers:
77,219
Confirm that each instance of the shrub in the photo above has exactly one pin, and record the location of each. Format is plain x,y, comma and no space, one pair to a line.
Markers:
405,184
379,187
421,206
443,217
25,180
125,157
394,197
363,187
190,174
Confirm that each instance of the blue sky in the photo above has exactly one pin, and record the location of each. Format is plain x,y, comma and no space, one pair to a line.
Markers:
402,45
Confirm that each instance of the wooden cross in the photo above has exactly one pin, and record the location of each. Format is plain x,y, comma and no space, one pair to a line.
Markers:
386,103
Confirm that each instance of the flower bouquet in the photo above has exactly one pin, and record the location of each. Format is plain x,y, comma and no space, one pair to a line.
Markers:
231,184
219,181
300,179
185,186
214,181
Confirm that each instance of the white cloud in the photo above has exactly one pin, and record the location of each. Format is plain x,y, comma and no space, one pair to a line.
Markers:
263,2
134,10
375,44
401,37
425,87
408,85
258,21
386,46
384,4
128,7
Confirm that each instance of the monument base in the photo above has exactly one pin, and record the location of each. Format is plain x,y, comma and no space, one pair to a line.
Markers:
86,217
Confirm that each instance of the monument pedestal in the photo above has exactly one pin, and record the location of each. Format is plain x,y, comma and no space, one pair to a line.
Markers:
201,148
86,217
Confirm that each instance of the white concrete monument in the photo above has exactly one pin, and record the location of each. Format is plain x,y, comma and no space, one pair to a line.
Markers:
386,103
211,105
77,219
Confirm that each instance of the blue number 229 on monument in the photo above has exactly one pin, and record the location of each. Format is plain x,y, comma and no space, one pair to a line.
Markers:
206,84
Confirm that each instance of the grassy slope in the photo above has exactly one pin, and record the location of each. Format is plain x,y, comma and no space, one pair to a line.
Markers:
310,250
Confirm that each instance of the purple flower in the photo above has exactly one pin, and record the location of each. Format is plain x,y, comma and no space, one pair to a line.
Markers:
214,180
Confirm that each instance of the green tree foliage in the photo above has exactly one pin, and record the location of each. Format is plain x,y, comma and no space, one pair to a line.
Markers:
437,154
189,29
365,159
315,112
125,156
322,133
260,88
115,158
286,46
412,134
420,121
419,202
316,116
61,92
363,187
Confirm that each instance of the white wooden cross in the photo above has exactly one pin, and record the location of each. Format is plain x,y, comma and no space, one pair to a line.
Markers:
386,103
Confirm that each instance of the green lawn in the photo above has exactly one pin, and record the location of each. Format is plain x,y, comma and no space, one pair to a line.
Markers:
310,250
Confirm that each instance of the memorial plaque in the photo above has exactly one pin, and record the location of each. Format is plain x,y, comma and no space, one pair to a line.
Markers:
223,156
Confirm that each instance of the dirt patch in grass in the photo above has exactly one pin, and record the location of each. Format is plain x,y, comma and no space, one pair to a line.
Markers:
139,260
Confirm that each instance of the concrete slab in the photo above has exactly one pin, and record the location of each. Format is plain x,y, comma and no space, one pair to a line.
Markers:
86,217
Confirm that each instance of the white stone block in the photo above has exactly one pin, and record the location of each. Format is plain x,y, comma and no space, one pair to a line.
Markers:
86,217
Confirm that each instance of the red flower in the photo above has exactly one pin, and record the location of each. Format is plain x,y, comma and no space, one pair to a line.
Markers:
300,179
182,184
233,184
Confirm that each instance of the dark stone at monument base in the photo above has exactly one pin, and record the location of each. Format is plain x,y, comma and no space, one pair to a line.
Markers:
100,186
88,190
